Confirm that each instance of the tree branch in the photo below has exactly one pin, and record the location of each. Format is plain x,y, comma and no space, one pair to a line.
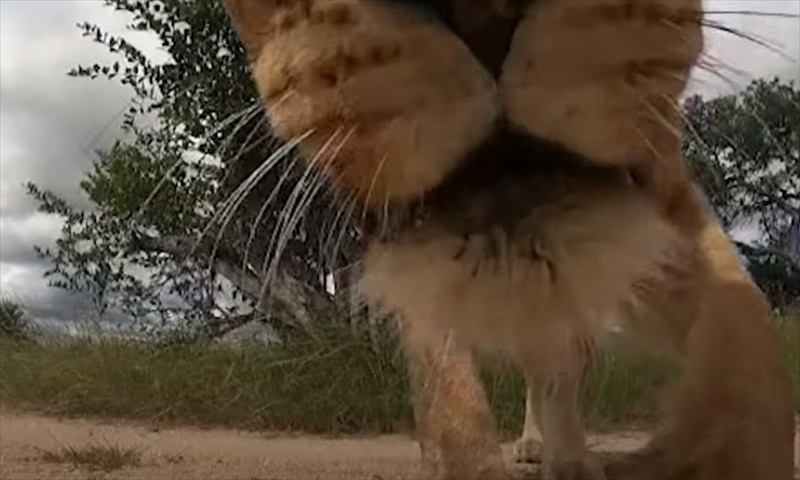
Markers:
287,299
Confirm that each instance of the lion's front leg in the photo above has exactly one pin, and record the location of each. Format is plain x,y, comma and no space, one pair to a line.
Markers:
527,449
455,426
554,399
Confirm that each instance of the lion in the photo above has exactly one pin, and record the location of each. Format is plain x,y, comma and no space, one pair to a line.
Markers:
518,168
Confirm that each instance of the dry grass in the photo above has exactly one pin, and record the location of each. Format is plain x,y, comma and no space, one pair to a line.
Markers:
104,458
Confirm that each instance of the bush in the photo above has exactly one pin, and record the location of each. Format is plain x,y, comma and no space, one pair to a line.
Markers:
14,322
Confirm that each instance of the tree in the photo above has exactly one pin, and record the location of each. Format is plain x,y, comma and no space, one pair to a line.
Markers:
172,224
96,253
745,151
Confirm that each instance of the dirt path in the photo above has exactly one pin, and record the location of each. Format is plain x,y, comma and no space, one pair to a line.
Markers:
187,453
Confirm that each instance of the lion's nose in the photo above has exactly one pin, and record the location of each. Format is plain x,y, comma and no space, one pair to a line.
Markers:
486,26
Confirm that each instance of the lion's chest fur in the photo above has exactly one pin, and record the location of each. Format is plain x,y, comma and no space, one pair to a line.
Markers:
573,265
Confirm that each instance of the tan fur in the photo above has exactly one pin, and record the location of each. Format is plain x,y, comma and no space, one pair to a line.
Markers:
584,63
410,99
389,103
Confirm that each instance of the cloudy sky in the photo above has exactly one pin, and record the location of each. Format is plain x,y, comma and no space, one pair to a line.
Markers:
51,124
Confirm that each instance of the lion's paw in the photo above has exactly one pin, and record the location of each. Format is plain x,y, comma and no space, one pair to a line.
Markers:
527,450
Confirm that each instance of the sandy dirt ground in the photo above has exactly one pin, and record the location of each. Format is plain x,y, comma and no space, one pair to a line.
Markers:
187,453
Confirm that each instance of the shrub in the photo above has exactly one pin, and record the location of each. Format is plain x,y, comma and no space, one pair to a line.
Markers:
14,323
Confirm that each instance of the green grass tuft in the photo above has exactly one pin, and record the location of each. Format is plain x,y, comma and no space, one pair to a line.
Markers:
343,387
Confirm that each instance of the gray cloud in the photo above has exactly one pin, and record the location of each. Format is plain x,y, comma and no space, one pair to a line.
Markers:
51,124
19,234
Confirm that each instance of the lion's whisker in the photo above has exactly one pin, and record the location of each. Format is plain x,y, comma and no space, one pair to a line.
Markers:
747,36
265,208
710,68
751,13
342,217
375,175
319,182
167,175
241,191
246,146
249,114
236,199
673,129
295,201
345,223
